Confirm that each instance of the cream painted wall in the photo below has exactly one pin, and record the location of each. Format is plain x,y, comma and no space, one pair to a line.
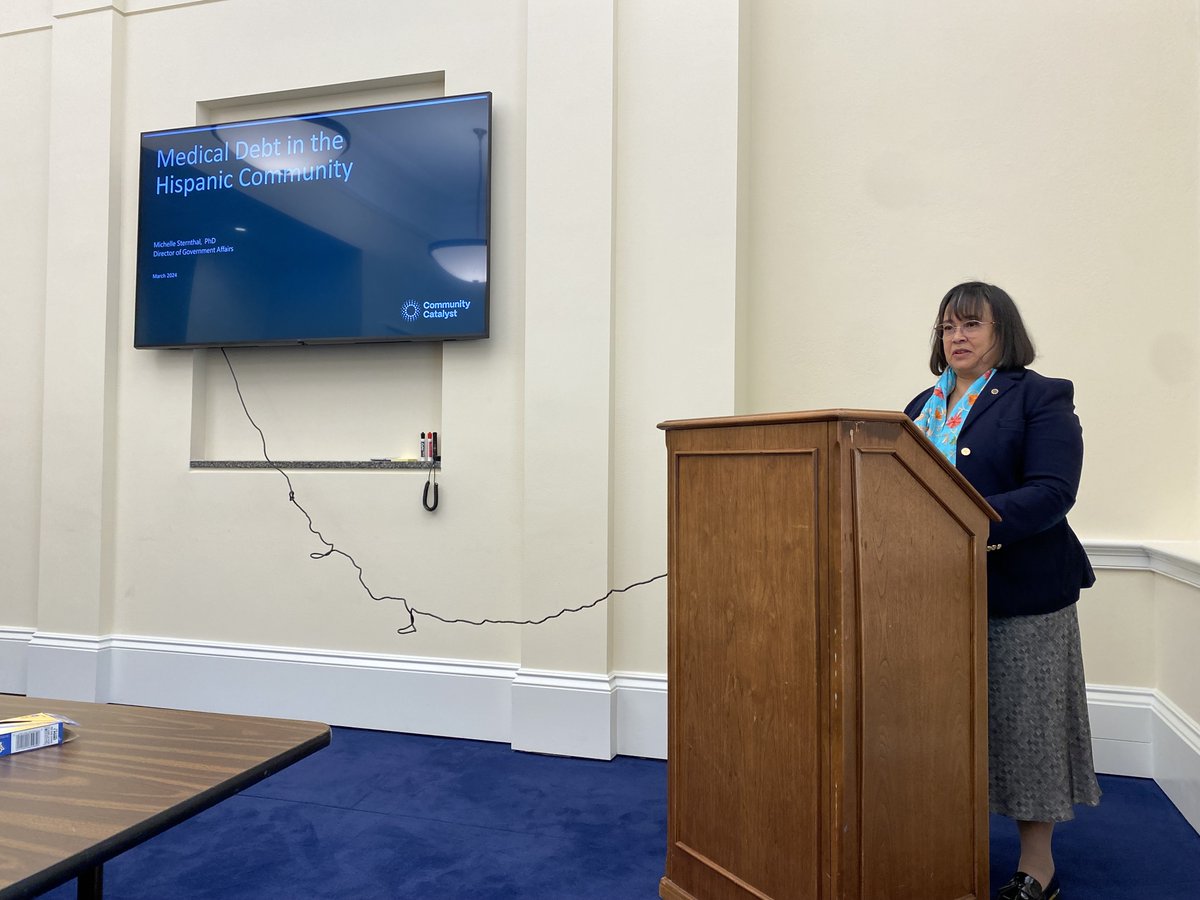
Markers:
220,555
24,95
1117,621
1139,630
1051,148
227,558
676,247
769,198
76,555
1177,624
568,331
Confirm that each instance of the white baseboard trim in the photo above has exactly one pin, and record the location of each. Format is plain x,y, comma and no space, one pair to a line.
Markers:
1177,758
567,714
68,667
641,714
1122,721
14,657
1139,732
591,716
564,713
1135,731
451,698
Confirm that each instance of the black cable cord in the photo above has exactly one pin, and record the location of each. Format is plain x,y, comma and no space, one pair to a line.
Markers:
331,549
412,611
430,479
544,619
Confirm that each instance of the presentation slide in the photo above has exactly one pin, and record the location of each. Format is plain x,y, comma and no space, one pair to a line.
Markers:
368,224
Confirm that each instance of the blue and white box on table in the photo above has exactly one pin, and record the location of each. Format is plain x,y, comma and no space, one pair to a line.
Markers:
32,732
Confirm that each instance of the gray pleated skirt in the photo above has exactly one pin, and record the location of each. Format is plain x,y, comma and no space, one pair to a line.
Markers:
1039,739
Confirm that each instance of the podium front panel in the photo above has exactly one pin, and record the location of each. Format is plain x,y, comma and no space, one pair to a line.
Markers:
915,573
747,751
826,663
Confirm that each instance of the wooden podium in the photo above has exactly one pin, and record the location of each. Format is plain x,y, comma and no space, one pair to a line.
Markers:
827,662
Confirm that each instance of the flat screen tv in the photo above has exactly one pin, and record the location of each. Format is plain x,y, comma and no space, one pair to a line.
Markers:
358,225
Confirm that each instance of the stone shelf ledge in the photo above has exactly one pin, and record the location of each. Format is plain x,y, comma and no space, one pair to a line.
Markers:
422,465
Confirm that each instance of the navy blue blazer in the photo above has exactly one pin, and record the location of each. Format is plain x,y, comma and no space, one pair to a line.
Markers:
1022,448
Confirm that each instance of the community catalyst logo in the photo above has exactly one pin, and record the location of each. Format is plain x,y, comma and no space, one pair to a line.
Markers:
433,309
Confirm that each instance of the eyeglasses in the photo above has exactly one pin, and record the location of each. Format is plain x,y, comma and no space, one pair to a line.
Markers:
969,328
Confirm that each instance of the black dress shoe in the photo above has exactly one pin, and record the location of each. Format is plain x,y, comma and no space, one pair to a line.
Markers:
1026,887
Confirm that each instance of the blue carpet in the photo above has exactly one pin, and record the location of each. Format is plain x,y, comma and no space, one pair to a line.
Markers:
1134,844
393,816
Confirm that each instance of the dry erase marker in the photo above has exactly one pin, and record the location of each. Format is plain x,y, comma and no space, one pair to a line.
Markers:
422,445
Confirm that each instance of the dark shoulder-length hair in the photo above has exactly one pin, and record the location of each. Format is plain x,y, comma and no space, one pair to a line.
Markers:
971,300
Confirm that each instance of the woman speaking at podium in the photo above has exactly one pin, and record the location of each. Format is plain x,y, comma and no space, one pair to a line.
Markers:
1014,435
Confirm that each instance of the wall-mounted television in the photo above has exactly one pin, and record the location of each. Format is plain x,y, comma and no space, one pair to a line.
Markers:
367,224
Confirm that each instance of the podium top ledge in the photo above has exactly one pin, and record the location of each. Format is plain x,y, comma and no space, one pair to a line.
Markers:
838,415
785,418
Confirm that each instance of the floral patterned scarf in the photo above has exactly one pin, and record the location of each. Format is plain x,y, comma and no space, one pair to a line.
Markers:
942,426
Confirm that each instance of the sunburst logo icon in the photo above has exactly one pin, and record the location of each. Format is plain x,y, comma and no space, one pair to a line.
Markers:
411,311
